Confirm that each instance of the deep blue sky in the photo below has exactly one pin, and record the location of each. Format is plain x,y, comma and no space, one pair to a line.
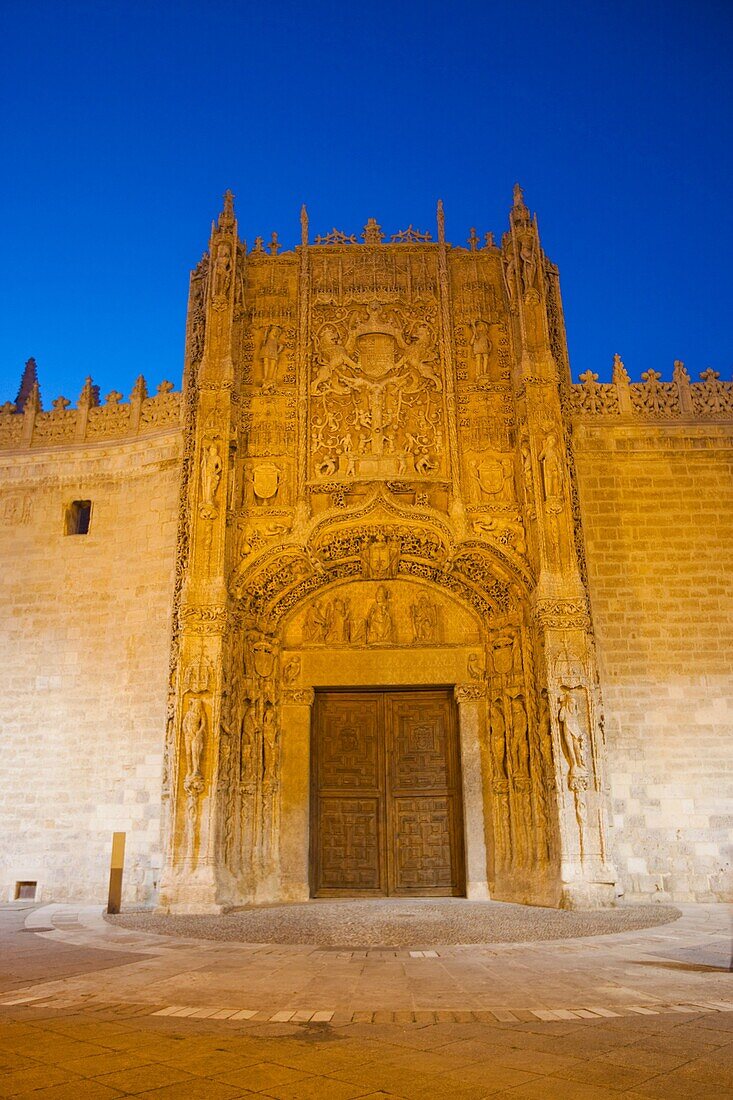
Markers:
122,123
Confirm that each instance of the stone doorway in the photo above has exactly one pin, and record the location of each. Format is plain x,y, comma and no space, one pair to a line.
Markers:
386,802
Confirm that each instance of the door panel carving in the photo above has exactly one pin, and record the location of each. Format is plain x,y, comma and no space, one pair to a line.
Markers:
386,794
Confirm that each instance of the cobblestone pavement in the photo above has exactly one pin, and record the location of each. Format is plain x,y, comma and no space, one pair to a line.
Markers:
107,1012
398,923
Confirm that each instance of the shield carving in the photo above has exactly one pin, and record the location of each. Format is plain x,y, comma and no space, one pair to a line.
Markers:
490,474
266,479
263,659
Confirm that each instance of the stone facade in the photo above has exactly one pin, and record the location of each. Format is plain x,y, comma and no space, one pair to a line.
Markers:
378,474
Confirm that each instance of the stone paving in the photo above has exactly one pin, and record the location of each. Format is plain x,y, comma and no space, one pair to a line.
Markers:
643,1014
393,922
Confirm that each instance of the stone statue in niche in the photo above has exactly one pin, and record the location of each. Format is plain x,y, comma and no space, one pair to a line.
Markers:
526,457
270,744
510,274
552,473
194,738
249,745
380,627
497,737
529,264
424,615
519,742
270,351
573,737
211,468
222,270
480,347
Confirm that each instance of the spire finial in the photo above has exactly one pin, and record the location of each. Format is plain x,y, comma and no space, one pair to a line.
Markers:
303,225
440,214
28,381
226,218
518,195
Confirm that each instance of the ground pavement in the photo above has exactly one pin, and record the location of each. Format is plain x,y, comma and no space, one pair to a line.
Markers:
89,1009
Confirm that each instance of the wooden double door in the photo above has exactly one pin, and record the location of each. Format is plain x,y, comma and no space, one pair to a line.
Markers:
386,795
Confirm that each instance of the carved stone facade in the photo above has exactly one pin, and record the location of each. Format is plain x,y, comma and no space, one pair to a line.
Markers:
378,489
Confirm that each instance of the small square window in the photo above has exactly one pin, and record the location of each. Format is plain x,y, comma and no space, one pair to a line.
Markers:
25,891
78,515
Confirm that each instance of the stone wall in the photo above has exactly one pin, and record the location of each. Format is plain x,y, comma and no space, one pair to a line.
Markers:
657,505
85,623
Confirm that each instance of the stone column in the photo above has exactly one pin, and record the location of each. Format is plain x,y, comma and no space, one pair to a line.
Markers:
471,707
297,707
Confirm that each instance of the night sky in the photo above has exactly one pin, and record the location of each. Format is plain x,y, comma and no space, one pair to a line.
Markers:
123,123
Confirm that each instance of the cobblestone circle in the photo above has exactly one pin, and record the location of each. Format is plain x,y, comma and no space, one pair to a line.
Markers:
388,922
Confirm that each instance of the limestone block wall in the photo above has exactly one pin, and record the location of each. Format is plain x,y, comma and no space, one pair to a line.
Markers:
657,506
84,630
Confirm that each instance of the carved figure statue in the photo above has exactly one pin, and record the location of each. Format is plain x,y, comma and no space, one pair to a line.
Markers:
497,737
249,744
480,347
520,743
339,621
270,351
211,467
291,670
424,616
270,744
315,627
573,738
529,264
222,270
194,737
510,274
552,468
379,623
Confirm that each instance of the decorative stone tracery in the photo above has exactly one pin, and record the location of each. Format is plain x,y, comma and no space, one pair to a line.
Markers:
379,468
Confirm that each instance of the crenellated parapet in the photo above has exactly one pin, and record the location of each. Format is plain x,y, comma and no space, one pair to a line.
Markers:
24,423
652,399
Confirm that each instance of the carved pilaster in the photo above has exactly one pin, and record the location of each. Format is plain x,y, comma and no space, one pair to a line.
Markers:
193,872
446,350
